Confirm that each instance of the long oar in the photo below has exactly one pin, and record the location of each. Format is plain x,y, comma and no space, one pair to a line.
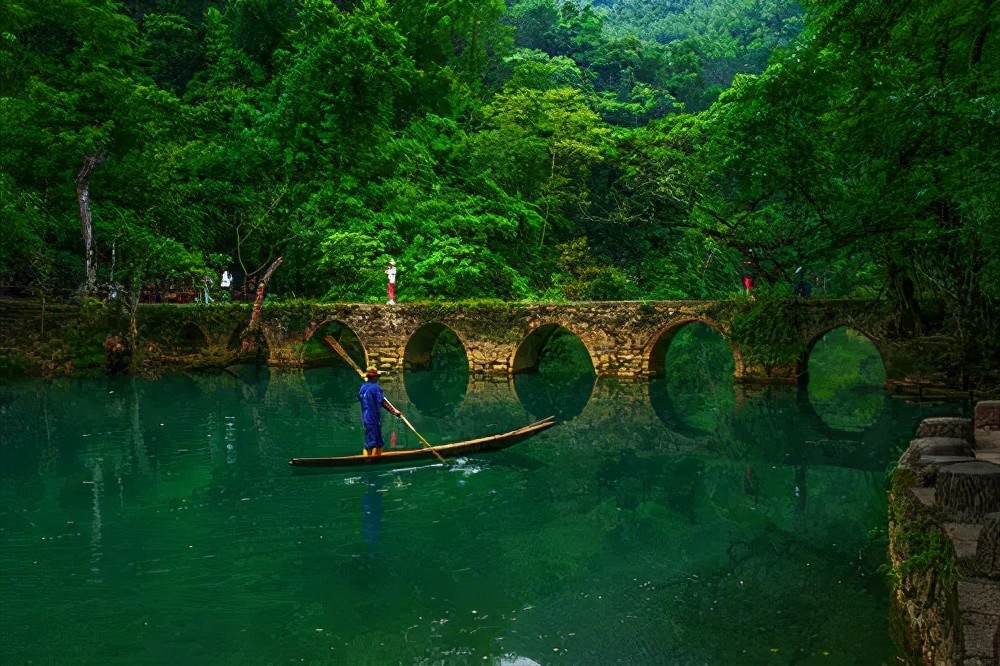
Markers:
335,346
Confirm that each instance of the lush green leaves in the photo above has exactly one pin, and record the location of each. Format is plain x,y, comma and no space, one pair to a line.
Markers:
525,149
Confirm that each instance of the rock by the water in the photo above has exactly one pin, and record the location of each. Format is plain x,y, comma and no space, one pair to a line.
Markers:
925,451
942,446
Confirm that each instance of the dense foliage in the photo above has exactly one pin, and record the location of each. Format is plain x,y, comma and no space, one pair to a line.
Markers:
519,149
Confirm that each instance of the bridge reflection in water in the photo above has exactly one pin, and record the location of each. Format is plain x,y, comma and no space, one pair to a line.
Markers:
694,406
840,417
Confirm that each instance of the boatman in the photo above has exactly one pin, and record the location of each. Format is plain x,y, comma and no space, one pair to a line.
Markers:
372,401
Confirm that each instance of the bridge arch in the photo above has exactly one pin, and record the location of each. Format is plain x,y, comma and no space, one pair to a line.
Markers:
259,354
194,338
566,390
233,342
803,362
856,400
655,349
528,352
441,392
418,353
314,353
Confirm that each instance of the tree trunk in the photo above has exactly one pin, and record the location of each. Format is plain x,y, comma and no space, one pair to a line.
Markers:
968,491
902,292
86,223
134,296
552,176
251,328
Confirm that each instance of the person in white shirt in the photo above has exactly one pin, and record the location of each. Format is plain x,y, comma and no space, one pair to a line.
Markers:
225,283
391,274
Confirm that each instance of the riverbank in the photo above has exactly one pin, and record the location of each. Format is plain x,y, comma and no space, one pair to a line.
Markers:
944,541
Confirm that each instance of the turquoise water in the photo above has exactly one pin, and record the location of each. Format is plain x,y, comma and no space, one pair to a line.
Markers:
158,522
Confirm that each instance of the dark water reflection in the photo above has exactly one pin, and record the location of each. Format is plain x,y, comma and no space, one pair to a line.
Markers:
158,522
439,388
846,376
696,389
562,382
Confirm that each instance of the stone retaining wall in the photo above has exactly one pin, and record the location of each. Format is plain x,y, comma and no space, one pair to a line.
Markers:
945,546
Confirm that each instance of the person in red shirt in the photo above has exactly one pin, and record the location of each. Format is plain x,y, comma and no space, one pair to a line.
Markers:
390,273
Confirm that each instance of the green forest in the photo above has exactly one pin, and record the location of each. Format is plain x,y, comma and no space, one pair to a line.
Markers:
518,150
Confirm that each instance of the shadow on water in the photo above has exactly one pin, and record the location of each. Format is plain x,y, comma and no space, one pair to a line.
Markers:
696,388
371,512
562,380
252,379
846,380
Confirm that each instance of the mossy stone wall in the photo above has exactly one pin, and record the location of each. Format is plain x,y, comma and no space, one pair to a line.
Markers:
925,615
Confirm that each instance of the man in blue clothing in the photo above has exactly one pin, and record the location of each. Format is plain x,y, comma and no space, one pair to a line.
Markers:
372,401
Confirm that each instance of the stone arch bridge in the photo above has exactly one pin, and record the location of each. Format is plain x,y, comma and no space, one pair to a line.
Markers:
770,343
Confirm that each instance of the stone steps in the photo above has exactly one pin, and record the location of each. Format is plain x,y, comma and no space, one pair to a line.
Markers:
944,445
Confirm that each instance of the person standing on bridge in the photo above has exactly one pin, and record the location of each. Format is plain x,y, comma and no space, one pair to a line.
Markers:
207,284
748,285
373,401
225,283
390,273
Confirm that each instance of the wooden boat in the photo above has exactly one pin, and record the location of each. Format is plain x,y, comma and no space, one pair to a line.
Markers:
483,444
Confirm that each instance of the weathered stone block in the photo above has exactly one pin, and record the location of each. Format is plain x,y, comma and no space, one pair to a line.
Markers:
968,491
942,446
987,424
946,426
926,456
987,562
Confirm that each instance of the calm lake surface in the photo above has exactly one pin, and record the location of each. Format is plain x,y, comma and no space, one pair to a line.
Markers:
159,522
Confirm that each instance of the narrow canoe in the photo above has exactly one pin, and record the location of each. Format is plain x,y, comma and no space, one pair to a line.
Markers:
491,443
